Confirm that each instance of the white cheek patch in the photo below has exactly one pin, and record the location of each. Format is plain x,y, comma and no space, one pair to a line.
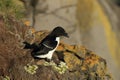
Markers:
50,53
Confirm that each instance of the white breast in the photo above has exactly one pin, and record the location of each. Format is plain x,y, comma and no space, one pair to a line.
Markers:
50,53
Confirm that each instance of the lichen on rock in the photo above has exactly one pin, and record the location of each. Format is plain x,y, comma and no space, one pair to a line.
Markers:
6,78
31,69
61,68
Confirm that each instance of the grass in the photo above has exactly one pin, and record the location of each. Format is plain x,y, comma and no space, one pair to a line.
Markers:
9,8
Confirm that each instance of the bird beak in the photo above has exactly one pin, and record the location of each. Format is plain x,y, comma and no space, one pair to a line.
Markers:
66,35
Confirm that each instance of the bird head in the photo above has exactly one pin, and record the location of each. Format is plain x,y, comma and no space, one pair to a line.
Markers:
59,31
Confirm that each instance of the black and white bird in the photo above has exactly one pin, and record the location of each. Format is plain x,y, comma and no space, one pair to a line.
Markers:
48,45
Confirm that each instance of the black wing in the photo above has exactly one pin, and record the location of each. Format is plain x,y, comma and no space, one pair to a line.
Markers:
50,44
45,47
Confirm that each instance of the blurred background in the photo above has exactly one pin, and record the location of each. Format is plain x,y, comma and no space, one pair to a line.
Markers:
91,23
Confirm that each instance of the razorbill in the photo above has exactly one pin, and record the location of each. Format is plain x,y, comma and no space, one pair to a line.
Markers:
48,45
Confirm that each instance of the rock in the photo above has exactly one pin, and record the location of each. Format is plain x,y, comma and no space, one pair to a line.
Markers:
70,62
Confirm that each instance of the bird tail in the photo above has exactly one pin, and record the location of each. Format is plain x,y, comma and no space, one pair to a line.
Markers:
27,45
30,46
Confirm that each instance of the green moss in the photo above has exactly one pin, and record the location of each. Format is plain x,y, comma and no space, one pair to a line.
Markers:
9,7
10,10
31,69
61,68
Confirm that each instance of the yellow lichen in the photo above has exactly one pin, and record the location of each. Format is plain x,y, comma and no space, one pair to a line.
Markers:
31,68
61,68
27,23
71,60
91,60
6,78
83,68
61,47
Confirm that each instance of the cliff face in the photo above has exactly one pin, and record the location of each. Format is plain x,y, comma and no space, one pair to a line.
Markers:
70,62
